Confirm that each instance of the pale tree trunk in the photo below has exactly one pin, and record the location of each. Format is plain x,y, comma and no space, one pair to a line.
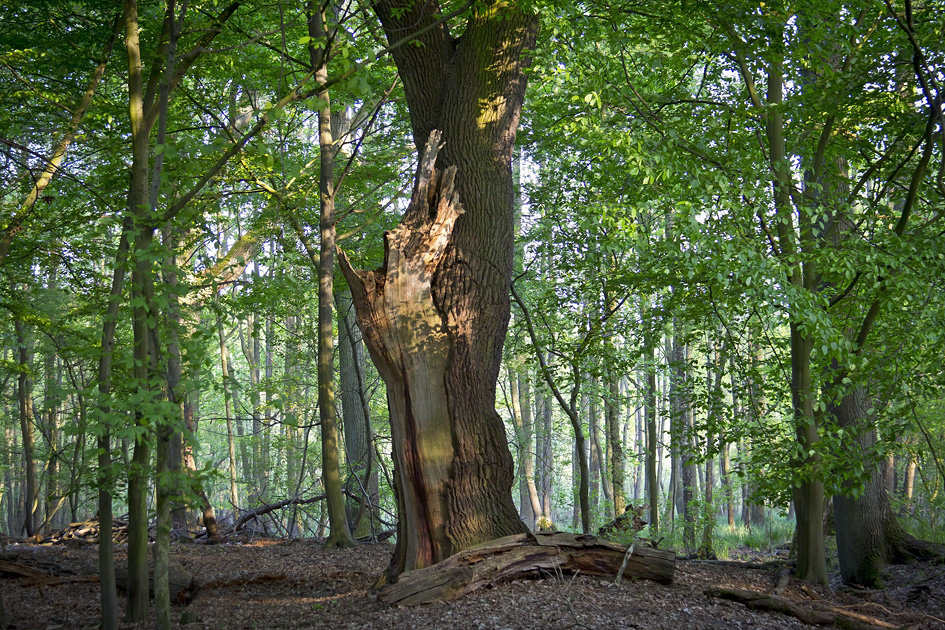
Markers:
359,434
639,450
530,491
579,466
714,384
908,484
652,441
249,344
522,445
615,459
227,410
546,467
727,482
51,421
679,411
593,429
27,422
290,385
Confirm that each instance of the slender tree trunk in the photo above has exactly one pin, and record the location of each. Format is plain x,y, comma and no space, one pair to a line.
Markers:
616,464
51,417
27,422
908,485
652,450
106,555
528,433
727,483
546,455
593,422
359,434
521,447
338,535
227,410
640,449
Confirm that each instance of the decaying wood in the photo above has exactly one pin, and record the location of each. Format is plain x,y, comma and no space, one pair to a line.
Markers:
265,509
516,556
783,580
16,569
814,614
44,575
86,531
630,521
183,586
409,340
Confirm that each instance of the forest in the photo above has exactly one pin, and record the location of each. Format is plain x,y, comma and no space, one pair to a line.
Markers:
417,277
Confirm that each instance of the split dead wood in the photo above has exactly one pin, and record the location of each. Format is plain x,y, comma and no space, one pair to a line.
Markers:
517,556
817,614
85,531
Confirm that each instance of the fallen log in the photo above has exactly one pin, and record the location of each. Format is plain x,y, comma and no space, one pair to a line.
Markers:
15,569
183,586
815,615
517,556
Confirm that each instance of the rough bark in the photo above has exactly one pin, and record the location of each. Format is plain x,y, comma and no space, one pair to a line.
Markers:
520,555
445,291
868,533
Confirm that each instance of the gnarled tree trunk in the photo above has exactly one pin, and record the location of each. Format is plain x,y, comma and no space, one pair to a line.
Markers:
434,317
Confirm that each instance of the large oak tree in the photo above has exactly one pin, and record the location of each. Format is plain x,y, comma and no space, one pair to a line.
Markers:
434,316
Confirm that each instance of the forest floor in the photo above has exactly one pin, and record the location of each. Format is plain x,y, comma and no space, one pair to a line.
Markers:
297,584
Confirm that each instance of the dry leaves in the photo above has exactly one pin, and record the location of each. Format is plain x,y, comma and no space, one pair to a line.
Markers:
278,584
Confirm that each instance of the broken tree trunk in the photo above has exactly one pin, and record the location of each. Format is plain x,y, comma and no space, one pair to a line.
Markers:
516,556
452,468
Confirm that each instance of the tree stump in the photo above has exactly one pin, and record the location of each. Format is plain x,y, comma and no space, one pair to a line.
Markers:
183,586
517,556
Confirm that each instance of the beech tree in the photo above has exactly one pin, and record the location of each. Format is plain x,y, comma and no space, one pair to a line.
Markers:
434,316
